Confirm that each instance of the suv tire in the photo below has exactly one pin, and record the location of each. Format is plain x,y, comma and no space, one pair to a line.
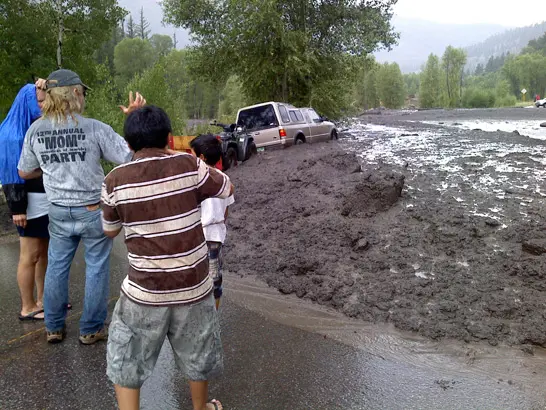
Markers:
251,150
230,158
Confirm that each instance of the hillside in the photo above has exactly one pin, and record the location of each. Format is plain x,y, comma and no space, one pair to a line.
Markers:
419,38
510,41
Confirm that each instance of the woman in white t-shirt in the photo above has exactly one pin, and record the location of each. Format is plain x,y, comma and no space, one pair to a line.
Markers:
26,200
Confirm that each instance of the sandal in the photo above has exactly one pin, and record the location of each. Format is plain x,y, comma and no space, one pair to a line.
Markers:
32,316
217,405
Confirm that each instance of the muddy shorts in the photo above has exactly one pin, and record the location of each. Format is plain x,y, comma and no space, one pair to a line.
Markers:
215,266
137,333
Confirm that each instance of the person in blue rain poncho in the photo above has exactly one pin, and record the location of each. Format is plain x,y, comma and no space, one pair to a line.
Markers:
26,200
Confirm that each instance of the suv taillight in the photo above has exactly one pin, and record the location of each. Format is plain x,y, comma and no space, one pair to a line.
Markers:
282,133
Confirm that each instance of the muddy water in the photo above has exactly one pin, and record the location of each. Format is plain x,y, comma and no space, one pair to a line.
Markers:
445,256
458,362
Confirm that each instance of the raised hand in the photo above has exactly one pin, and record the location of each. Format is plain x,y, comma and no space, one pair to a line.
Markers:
134,103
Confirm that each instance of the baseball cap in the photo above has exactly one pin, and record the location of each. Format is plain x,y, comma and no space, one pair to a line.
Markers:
64,78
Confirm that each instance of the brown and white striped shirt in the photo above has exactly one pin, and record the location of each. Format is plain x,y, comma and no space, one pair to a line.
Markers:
156,199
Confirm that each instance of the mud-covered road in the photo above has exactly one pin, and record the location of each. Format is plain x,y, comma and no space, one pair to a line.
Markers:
459,254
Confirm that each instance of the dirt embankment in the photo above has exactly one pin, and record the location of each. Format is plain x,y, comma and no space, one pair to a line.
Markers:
314,222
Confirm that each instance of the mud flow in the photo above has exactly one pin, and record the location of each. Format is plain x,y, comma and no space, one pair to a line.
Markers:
437,229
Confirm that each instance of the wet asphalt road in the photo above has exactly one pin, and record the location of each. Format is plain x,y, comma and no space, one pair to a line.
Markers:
280,353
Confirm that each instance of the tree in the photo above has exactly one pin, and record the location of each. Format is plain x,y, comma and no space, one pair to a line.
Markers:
479,69
83,21
175,41
526,71
453,62
232,98
132,56
30,31
162,44
142,28
412,81
390,85
283,49
105,54
430,90
365,90
131,28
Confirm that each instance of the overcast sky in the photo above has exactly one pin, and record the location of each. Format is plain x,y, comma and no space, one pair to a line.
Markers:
515,13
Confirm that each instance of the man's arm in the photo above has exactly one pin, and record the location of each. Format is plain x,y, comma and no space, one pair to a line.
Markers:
111,222
212,183
114,147
37,173
29,166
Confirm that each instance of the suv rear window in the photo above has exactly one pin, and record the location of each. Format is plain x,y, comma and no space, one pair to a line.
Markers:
258,118
295,115
284,113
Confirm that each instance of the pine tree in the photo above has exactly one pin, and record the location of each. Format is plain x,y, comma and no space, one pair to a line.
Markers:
175,42
131,29
142,29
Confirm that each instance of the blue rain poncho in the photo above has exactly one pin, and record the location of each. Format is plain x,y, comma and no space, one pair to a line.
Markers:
23,112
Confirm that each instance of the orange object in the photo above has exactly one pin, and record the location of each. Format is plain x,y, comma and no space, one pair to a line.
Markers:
182,143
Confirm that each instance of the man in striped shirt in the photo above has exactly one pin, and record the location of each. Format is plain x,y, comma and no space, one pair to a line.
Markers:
168,291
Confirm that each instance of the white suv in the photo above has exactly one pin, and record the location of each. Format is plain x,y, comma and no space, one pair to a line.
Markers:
278,124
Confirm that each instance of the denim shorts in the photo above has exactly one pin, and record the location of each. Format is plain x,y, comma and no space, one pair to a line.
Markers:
137,333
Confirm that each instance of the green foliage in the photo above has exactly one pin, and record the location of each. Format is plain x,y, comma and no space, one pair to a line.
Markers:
506,101
412,82
390,85
478,98
284,50
232,98
453,62
131,27
430,90
365,92
536,46
29,34
494,64
162,44
103,101
132,56
526,71
154,86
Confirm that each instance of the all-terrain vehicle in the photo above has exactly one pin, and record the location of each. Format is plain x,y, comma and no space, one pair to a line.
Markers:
237,144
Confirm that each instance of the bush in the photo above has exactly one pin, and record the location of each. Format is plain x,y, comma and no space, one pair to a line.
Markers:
476,98
506,101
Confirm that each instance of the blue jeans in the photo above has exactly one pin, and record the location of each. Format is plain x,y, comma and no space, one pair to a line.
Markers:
67,226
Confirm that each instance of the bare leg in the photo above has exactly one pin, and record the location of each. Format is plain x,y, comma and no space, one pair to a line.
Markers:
128,399
199,396
29,251
40,271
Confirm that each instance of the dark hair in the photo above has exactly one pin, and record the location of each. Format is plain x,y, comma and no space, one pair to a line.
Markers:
147,127
209,146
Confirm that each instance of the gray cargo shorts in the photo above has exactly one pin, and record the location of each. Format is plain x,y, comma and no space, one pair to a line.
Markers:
137,333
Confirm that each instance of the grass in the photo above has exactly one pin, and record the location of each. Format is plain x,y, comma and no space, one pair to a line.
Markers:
524,103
